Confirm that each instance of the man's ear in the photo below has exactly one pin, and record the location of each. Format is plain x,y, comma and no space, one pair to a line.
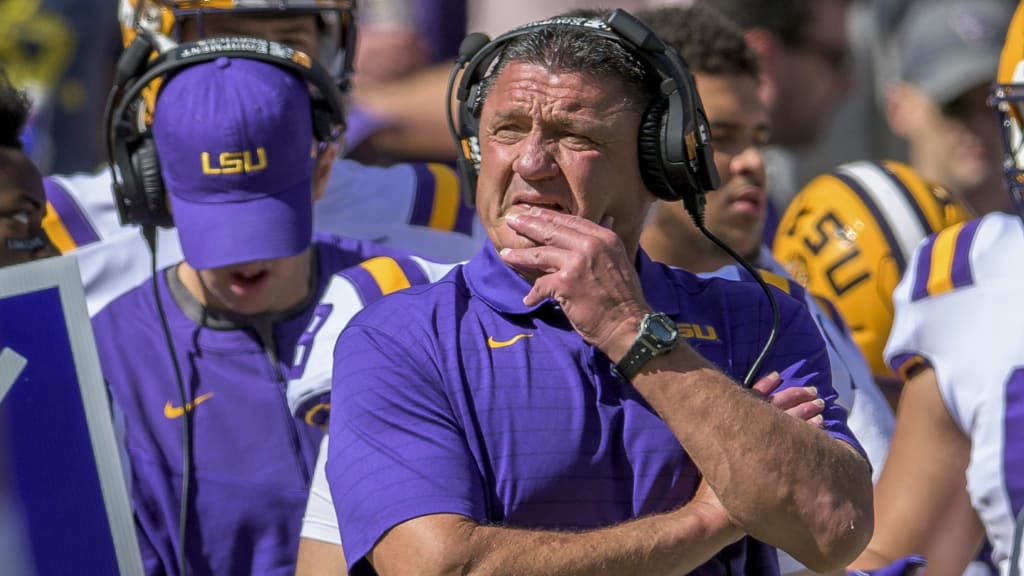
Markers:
322,169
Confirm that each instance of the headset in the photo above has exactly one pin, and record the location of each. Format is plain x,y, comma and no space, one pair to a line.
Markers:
135,167
674,143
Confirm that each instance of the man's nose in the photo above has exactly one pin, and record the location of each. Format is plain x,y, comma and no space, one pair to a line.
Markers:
536,159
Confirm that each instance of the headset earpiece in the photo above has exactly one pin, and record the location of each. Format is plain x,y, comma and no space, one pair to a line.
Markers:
650,150
325,129
137,182
674,141
146,167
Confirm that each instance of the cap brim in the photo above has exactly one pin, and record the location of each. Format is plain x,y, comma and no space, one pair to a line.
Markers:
214,235
958,74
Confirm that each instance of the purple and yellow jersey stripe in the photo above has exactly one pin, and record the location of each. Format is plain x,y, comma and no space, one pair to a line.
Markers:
944,262
66,223
787,285
383,275
438,203
352,289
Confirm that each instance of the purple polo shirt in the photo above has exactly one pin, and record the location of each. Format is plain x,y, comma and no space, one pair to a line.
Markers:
456,398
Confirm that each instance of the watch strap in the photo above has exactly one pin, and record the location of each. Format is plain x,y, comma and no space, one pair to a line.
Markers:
645,347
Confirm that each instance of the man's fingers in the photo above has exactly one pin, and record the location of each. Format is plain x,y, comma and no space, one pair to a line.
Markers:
808,411
765,386
554,228
792,397
542,259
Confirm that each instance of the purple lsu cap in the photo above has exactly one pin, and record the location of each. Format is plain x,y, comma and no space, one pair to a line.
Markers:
235,141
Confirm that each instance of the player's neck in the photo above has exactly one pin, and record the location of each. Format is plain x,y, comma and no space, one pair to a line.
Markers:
673,246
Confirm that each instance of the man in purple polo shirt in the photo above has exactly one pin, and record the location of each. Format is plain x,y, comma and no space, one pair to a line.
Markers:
204,406
512,419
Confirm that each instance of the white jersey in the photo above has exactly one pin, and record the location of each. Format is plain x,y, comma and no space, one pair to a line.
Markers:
413,207
346,294
959,310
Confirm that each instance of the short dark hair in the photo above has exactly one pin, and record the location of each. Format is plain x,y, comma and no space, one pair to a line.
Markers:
787,19
708,41
14,108
561,48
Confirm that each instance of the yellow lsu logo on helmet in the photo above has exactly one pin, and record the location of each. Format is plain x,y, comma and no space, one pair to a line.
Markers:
849,234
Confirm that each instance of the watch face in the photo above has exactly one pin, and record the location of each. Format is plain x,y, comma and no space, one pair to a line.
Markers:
663,329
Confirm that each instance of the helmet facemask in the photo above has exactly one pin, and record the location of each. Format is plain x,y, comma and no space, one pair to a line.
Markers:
164,18
1008,100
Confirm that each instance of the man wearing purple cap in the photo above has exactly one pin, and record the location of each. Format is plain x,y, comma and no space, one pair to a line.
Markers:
241,168
410,206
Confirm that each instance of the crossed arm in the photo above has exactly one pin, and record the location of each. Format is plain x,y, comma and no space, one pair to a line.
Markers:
671,543
414,542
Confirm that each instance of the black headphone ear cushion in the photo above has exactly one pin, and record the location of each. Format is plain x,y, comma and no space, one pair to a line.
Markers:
146,166
652,165
323,121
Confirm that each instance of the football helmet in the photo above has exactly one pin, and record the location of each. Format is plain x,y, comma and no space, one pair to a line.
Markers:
848,236
1008,99
162,19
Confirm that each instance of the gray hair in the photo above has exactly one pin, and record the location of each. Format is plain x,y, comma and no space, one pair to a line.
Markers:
573,49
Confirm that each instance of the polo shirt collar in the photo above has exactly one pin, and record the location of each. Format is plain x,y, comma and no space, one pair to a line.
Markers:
497,284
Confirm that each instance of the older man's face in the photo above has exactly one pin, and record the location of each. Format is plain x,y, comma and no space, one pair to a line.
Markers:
559,141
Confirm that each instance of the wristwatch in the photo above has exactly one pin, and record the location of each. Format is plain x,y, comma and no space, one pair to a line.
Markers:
658,335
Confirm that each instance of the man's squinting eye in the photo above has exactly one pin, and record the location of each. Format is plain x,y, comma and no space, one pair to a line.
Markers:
576,138
506,129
